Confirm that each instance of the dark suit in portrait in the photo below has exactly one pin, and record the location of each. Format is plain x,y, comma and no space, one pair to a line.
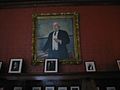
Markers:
61,52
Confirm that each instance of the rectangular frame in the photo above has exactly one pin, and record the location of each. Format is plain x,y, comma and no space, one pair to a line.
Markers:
15,66
1,88
36,88
49,88
74,88
42,26
51,66
18,88
90,66
98,88
0,65
62,88
118,63
110,88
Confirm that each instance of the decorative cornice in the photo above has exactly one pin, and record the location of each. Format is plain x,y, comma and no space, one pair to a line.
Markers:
31,3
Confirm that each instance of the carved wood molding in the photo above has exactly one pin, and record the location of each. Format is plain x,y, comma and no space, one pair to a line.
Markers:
33,3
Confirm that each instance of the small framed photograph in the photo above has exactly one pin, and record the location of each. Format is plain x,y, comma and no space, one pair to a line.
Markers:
90,66
62,88
49,88
74,88
118,62
1,88
110,88
98,88
17,88
0,65
51,66
36,88
15,66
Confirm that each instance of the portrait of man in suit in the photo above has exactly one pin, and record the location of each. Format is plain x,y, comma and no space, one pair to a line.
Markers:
51,66
56,36
56,43
15,66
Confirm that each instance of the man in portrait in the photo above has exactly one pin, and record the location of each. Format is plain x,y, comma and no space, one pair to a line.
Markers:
15,66
51,66
56,43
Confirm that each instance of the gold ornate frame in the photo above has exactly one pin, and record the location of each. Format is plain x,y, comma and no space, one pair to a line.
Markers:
39,19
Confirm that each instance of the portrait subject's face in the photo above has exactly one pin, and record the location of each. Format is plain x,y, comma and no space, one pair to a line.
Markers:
56,26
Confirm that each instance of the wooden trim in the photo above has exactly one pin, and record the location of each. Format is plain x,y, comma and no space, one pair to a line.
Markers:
33,3
60,76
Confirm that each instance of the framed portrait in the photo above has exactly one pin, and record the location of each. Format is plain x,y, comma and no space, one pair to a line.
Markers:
74,88
15,66
0,65
56,35
17,88
118,63
110,88
49,88
36,88
51,66
90,66
62,88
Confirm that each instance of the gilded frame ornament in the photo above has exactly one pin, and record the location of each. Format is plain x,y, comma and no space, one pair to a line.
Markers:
42,26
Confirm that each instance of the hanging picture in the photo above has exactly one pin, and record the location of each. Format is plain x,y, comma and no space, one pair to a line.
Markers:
110,88
0,65
50,88
51,66
74,88
36,88
98,88
118,63
56,35
90,66
15,66
17,88
62,88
